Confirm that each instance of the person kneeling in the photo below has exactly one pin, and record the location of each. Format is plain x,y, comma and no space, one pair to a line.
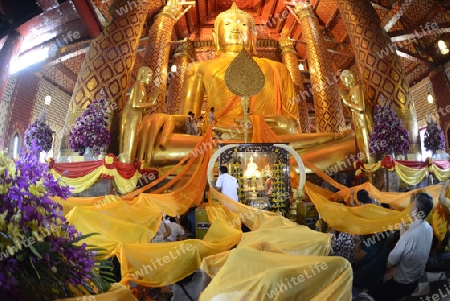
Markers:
407,260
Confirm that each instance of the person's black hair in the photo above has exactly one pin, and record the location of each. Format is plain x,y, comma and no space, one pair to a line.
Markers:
424,204
212,109
223,169
363,197
172,219
190,113
384,205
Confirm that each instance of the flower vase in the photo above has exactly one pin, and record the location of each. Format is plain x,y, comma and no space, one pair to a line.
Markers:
102,153
88,155
433,154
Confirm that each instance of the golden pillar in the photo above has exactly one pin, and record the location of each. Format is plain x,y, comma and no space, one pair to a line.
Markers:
380,68
290,59
327,104
183,56
157,52
108,64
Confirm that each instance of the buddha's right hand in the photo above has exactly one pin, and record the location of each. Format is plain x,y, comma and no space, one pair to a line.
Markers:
155,132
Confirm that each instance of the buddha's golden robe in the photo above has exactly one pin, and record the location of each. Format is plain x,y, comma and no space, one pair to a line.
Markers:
277,97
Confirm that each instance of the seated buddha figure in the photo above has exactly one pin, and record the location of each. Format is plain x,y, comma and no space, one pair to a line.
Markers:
233,30
162,137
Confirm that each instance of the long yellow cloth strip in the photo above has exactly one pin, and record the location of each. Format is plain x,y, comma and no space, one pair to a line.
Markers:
160,264
112,230
367,219
254,275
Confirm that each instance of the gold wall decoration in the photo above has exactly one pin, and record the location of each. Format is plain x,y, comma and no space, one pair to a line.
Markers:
110,58
184,54
290,59
380,67
327,105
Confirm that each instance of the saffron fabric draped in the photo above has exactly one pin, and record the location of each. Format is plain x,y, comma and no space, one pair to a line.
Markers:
275,255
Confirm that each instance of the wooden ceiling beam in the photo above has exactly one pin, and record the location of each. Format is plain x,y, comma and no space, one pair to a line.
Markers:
395,14
413,57
346,54
429,29
380,7
333,18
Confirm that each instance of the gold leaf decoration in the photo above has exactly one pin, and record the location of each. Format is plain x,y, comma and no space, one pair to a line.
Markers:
244,77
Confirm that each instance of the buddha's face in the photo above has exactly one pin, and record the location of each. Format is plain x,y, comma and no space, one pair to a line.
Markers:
146,75
233,32
347,78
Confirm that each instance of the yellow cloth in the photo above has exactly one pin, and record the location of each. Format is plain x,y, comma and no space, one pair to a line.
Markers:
82,183
292,239
112,230
367,219
410,176
160,264
253,275
117,292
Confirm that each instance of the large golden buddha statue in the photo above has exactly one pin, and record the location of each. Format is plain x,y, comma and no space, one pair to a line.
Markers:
233,30
162,140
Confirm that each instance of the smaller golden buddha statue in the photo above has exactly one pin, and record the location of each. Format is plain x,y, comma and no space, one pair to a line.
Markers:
354,100
132,115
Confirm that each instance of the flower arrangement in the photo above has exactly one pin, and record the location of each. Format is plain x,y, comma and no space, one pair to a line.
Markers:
40,132
388,134
434,137
40,254
91,128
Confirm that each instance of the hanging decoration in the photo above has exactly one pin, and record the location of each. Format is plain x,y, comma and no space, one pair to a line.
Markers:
434,139
39,132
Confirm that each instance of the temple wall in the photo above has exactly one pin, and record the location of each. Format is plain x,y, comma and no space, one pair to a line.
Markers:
21,106
55,111
5,105
22,102
419,94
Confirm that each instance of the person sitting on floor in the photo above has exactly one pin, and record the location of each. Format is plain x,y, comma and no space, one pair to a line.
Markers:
407,260
162,233
176,230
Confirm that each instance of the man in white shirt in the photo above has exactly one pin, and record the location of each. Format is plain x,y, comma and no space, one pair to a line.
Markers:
227,184
176,231
410,254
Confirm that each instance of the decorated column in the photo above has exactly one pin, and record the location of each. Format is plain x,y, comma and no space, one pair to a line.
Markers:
379,65
109,62
181,59
327,105
158,49
290,59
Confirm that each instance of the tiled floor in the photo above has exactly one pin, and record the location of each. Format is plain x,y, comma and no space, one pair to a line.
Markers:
434,286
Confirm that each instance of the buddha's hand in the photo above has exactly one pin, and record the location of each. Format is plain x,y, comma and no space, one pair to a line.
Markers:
157,128
173,8
279,124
